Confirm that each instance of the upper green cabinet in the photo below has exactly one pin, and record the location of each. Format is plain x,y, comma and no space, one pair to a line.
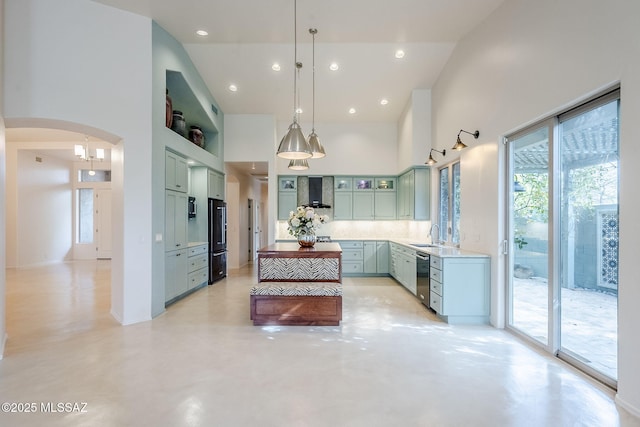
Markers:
176,172
215,185
413,201
288,183
287,196
342,184
367,198
363,184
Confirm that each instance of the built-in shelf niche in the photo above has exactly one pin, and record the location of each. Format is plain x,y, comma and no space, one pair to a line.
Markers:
184,99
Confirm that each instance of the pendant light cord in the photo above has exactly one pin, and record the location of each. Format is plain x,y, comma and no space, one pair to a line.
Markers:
313,69
295,59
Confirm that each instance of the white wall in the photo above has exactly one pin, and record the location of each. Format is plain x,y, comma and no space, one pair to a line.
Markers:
352,148
240,188
2,193
414,130
252,138
44,204
81,64
526,61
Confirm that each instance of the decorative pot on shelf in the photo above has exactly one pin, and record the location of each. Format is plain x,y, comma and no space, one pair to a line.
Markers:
179,125
169,111
196,136
306,240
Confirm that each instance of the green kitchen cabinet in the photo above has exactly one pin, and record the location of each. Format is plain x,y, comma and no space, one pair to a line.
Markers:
342,205
287,196
413,201
363,205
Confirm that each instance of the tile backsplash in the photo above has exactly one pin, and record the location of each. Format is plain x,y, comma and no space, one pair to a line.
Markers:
418,230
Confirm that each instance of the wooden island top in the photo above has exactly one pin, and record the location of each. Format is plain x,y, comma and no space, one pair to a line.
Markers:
293,250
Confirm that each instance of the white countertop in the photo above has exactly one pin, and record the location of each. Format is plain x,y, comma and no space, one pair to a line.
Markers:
437,250
192,244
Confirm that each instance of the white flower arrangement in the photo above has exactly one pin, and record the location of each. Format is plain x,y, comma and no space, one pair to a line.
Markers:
305,221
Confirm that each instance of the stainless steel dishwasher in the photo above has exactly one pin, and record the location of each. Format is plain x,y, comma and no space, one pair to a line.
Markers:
422,271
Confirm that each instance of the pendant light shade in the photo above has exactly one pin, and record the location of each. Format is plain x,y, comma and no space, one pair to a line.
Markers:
293,144
459,145
298,164
317,149
431,161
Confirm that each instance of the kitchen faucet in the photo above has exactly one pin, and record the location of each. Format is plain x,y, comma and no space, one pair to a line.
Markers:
437,240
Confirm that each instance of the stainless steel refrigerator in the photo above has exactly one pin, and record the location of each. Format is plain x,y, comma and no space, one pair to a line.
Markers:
217,240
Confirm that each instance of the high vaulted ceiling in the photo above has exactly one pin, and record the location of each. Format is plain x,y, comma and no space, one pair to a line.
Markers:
247,36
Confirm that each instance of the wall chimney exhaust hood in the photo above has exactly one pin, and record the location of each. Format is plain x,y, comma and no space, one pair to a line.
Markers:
315,193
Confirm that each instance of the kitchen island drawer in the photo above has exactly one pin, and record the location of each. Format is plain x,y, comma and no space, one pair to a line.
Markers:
435,262
435,274
435,302
436,287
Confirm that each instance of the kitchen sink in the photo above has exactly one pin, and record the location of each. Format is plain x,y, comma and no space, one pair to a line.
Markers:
424,245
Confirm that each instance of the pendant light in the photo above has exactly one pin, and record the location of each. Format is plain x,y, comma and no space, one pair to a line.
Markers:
298,164
317,149
294,145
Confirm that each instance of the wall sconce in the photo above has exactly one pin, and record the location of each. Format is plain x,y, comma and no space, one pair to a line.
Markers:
461,145
431,161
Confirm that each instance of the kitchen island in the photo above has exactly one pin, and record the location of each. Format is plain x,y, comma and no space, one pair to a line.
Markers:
298,286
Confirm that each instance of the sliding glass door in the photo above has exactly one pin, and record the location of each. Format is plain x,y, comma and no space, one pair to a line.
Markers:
530,243
563,227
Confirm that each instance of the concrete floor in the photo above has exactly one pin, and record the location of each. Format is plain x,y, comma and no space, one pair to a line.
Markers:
202,363
589,322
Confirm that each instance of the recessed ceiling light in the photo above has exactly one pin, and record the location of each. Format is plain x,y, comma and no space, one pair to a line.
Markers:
202,33
352,110
399,54
384,101
275,66
233,88
334,66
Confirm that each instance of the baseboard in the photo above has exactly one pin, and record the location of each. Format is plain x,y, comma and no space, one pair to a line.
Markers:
627,406
116,316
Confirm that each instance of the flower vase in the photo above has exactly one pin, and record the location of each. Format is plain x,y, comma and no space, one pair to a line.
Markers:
306,240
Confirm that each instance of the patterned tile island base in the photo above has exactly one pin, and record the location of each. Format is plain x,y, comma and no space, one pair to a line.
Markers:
298,286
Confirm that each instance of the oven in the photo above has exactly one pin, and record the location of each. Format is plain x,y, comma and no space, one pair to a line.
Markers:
422,271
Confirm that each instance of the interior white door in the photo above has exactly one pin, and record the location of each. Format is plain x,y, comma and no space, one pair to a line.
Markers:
102,220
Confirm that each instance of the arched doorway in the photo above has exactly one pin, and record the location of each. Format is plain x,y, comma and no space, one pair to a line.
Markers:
43,151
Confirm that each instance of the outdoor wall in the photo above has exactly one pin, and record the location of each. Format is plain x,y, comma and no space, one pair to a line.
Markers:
67,66
527,61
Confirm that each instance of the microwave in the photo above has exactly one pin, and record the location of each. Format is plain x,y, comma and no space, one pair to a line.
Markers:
192,207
